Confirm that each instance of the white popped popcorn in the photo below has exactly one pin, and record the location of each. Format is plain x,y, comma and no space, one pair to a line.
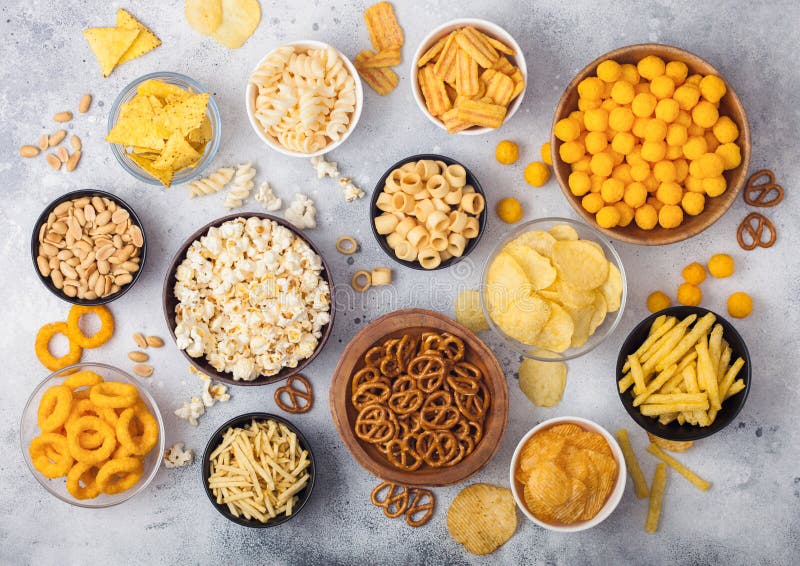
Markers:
324,168
266,196
176,456
301,212
191,410
213,392
251,300
351,191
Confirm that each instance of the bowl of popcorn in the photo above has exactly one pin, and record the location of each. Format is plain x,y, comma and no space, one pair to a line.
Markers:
304,98
248,299
650,144
428,212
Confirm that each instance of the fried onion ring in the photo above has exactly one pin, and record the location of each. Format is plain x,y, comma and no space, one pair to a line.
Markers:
83,378
114,395
119,474
76,335
50,455
137,444
54,408
48,360
88,455
87,475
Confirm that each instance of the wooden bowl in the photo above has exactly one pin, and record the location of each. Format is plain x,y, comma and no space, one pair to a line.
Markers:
394,325
169,301
730,106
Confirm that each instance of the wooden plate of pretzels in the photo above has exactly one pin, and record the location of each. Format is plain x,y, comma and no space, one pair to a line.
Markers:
419,400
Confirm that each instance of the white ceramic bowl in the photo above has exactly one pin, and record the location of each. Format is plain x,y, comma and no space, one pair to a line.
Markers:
488,28
252,91
616,492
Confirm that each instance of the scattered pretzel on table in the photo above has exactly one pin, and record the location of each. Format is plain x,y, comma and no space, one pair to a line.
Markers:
417,503
751,231
764,194
300,400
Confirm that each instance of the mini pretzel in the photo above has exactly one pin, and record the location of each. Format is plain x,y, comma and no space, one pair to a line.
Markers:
358,276
365,375
401,454
423,502
403,383
395,501
452,347
765,194
406,350
370,393
428,370
374,424
409,424
389,367
374,356
346,245
438,412
430,341
751,230
437,447
300,400
462,384
408,401
473,407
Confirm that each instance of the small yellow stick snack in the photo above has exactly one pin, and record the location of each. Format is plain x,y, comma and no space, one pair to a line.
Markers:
706,376
730,376
639,483
655,385
686,343
385,58
677,398
433,91
696,480
664,408
735,387
662,348
715,347
637,375
481,113
625,382
656,332
474,42
384,31
656,497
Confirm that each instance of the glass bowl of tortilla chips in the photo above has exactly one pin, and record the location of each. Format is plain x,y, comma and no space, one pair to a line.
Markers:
553,289
164,128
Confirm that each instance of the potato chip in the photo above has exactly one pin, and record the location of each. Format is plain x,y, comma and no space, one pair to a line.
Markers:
612,288
582,319
556,335
467,81
568,296
146,40
240,18
505,282
500,89
433,90
573,508
384,31
474,42
543,382
204,16
382,79
546,447
386,58
591,441
523,318
671,445
504,66
563,232
548,487
538,269
469,311
481,113
600,311
433,52
580,264
539,240
482,517
109,44
565,430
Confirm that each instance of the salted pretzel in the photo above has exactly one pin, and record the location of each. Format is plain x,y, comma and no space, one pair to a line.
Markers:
408,401
429,371
374,356
763,194
300,400
370,393
394,502
437,447
402,453
750,233
438,412
452,347
365,375
422,501
374,424
473,407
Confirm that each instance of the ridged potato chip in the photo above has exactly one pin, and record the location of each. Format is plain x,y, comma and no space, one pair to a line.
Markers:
543,382
482,517
671,445
580,264
469,311
538,269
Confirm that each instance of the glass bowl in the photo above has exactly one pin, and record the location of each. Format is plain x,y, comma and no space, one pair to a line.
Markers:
585,232
29,429
212,111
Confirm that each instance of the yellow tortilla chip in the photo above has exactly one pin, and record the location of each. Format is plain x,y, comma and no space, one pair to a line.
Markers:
144,42
109,44
186,115
177,154
240,19
163,175
161,89
202,133
135,133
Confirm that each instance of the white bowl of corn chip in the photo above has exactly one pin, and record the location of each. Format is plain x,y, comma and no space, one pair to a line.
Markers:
495,68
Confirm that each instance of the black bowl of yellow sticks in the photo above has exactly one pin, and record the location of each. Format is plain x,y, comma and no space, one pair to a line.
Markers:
258,470
683,373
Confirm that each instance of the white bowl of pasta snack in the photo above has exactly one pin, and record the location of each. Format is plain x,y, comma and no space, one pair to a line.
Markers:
304,98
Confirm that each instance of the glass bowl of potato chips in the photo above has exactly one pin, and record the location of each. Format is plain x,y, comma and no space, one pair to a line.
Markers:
164,128
553,289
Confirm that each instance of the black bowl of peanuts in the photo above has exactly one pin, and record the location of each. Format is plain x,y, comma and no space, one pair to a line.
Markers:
88,247
428,212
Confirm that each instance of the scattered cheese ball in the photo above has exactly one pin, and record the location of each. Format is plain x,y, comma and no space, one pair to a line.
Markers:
506,152
694,273
656,130
537,174
657,301
721,265
547,155
509,210
740,305
689,295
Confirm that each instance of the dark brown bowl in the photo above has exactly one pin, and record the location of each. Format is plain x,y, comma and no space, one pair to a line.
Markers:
395,325
169,302
47,282
730,105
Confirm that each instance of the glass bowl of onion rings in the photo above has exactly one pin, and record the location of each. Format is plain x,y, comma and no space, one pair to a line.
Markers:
117,458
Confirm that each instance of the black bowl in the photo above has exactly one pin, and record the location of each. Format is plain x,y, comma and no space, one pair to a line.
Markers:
169,301
216,438
374,211
674,430
47,282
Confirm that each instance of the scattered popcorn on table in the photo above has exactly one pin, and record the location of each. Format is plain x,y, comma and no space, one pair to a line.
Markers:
191,410
176,456
324,168
351,192
214,392
301,212
267,197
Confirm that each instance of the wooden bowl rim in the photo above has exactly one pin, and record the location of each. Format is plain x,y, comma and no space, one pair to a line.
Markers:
658,236
168,302
435,477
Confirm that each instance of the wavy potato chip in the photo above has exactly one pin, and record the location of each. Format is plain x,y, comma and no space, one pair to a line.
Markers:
469,311
556,335
482,517
538,269
543,382
580,264
204,16
539,240
582,319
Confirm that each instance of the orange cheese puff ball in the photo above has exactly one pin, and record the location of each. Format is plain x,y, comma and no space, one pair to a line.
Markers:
623,92
725,130
694,273
621,119
509,210
662,87
657,301
591,88
644,104
592,203
689,295
693,203
612,190
665,171
537,174
567,129
740,305
506,152
547,154
625,213
706,166
602,164
686,95
669,193
712,88
579,183
635,195
651,67
607,217
721,265
668,110
714,186
609,71
695,147
670,216
653,151
677,71
596,142
705,114
646,217
571,151
731,155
